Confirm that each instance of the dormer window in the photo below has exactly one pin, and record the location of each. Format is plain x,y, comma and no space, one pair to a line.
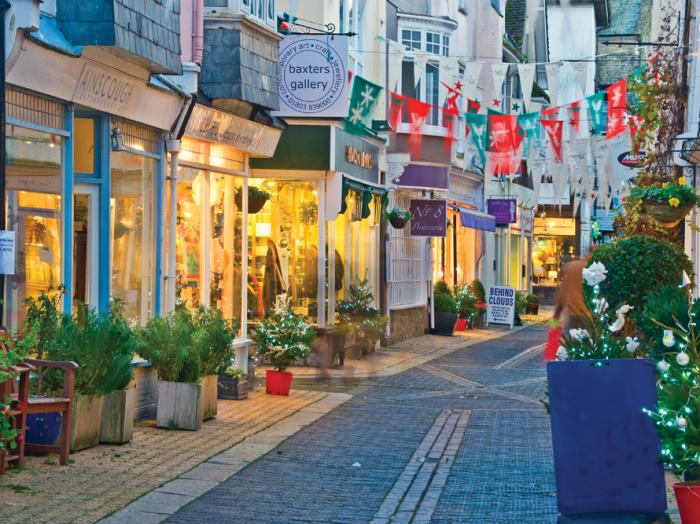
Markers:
263,10
411,39
436,43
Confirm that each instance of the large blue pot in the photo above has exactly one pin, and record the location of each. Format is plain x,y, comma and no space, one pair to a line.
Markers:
43,428
605,447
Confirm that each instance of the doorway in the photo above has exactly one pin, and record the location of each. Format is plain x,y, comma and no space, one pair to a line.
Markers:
85,244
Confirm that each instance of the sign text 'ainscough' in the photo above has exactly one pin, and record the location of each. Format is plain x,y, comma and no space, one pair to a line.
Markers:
357,157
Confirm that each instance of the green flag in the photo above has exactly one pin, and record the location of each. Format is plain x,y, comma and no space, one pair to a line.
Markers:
529,124
477,130
596,108
362,100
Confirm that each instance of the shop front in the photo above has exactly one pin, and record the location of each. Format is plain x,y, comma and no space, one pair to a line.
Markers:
555,245
318,230
85,164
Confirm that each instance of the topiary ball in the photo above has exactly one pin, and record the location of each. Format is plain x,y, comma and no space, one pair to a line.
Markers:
639,266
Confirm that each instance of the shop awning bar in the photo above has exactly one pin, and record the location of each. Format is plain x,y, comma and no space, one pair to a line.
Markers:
475,219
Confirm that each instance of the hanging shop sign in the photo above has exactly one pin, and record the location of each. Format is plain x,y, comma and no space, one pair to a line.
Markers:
312,76
223,128
504,209
429,218
356,156
632,160
501,305
424,177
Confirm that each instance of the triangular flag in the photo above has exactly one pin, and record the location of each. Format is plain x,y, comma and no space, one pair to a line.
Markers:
617,95
499,72
535,164
575,117
420,59
472,72
559,181
617,123
396,103
473,106
477,130
363,97
417,115
581,70
554,130
596,108
395,59
504,135
526,72
503,163
529,124
552,70
550,113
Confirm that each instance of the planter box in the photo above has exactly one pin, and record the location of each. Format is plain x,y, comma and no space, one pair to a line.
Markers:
232,388
209,394
118,416
179,406
87,422
605,448
532,308
445,323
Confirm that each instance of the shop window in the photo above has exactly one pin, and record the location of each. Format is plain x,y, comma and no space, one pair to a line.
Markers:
34,213
132,223
283,249
191,214
84,152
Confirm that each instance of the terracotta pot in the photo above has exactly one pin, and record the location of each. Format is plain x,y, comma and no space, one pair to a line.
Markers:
461,324
278,382
669,216
688,498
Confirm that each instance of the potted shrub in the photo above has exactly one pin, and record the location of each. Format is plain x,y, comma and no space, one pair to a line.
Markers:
445,308
168,343
358,315
232,384
398,217
477,289
532,304
257,197
281,339
212,338
598,392
466,307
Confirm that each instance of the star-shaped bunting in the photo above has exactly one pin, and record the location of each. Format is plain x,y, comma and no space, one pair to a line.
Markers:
496,102
516,107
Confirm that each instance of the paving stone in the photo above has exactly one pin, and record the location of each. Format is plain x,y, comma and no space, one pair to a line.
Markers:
191,487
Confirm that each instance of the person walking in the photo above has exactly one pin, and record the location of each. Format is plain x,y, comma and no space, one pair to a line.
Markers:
570,310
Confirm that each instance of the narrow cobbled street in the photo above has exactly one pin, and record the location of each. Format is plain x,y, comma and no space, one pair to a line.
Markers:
463,438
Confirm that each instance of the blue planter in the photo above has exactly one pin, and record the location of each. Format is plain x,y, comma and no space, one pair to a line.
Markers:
43,428
605,448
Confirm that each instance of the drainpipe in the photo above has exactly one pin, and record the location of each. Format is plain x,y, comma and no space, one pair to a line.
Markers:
197,31
174,147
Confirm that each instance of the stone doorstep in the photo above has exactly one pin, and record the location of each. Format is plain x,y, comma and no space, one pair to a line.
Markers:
159,504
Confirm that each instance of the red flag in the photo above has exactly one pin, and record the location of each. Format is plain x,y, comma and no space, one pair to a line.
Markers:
504,133
473,106
575,116
417,114
395,109
549,113
617,95
617,122
554,129
449,120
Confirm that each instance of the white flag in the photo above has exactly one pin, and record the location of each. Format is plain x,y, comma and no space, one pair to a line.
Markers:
581,70
472,72
526,72
420,59
396,54
499,72
553,82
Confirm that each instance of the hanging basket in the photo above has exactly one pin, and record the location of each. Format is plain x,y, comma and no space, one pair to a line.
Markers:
398,222
255,203
666,214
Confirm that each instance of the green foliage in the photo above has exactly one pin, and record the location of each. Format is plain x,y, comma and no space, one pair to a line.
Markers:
43,320
399,213
254,192
520,301
638,265
669,307
532,299
477,289
466,302
11,355
678,391
443,298
213,338
235,373
283,338
357,315
663,193
169,344
441,287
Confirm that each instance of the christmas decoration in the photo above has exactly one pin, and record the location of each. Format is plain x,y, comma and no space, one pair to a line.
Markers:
575,117
663,366
477,129
669,340
554,130
596,111
364,96
682,358
283,338
396,105
417,114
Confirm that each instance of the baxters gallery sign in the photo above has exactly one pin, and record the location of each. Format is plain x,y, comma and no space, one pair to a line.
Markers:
312,76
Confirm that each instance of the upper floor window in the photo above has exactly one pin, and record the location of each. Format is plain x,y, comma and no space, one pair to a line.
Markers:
432,43
445,45
496,5
411,39
263,10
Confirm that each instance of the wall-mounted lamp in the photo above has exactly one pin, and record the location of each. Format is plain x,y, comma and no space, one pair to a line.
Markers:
117,140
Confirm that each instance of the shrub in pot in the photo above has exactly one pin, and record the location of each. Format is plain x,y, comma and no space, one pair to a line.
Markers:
233,384
478,290
466,306
598,394
358,315
281,339
445,307
532,304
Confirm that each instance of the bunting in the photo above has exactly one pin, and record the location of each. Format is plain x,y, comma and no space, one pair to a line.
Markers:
499,72
417,114
617,109
477,129
362,99
554,131
595,109
396,103
581,71
472,72
526,72
575,117
529,124
553,81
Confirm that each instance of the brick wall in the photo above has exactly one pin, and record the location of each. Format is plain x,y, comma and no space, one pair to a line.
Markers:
407,323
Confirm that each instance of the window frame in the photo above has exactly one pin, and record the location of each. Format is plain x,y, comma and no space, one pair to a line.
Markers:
413,33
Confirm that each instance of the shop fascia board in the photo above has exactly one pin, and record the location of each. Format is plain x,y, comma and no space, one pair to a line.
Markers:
288,175
333,123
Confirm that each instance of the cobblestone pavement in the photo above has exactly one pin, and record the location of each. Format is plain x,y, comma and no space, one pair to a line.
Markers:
463,438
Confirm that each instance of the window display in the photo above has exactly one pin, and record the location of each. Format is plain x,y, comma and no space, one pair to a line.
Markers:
132,233
555,245
455,257
34,213
283,247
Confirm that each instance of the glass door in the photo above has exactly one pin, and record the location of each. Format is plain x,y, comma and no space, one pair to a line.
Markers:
85,246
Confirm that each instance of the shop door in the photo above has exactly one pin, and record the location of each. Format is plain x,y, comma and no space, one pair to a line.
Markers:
85,248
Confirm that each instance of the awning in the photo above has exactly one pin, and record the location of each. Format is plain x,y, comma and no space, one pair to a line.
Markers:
366,192
475,219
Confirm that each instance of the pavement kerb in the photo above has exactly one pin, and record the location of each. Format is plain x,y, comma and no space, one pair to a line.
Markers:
158,504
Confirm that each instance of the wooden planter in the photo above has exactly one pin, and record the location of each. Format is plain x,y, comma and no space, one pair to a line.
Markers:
179,406
86,425
209,394
532,308
118,416
232,388
669,216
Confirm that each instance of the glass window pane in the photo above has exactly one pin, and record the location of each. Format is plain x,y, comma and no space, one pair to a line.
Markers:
84,145
432,43
283,248
432,90
445,45
226,246
132,233
34,188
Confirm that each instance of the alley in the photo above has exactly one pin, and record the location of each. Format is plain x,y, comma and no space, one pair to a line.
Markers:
463,438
